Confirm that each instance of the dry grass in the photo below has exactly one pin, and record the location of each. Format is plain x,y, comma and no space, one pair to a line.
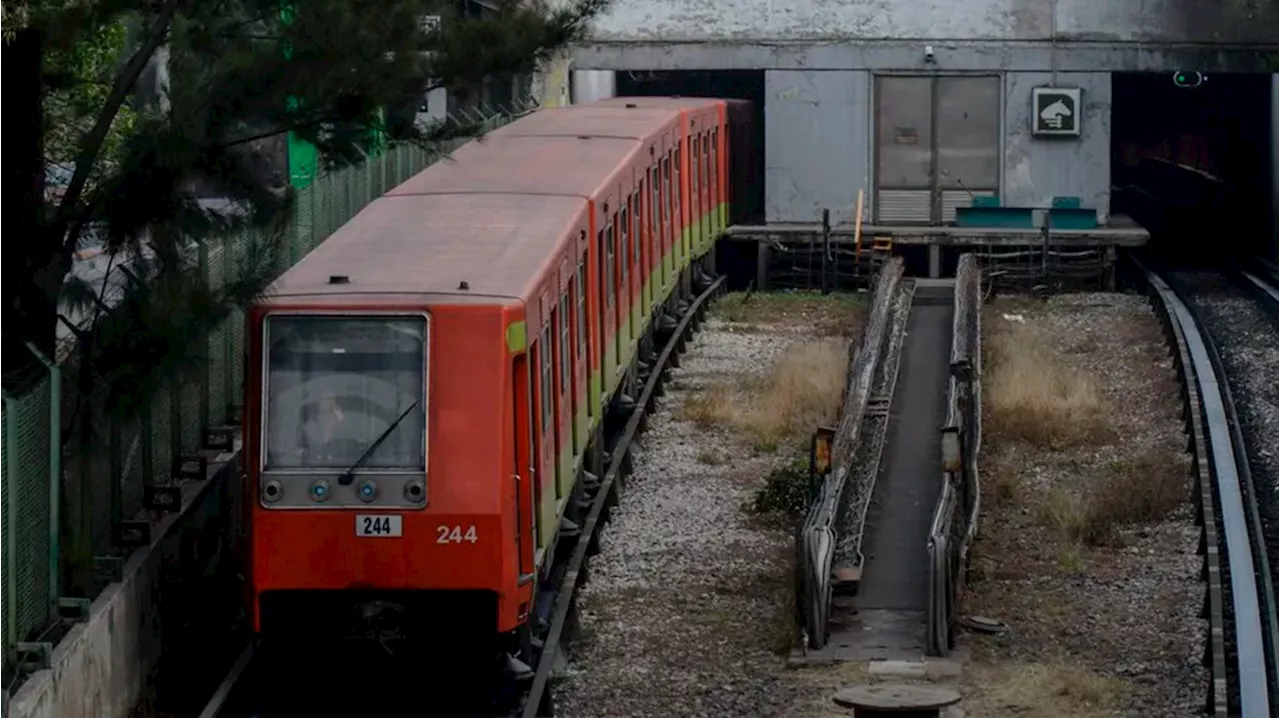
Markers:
801,392
1058,688
1141,490
1034,396
822,315
1083,546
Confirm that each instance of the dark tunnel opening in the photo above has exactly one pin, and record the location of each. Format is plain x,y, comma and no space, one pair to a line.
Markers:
1194,165
737,260
732,84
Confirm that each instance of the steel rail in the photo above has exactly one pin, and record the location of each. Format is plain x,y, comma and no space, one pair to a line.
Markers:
573,572
1262,285
1231,492
225,689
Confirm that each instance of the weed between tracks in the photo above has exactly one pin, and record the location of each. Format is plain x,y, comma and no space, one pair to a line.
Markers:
1086,545
801,392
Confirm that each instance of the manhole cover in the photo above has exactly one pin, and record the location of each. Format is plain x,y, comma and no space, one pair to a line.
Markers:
982,624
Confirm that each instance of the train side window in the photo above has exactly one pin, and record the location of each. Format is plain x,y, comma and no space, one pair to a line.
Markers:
610,257
636,229
563,319
624,248
666,188
580,294
675,191
544,356
697,155
706,163
655,204
715,164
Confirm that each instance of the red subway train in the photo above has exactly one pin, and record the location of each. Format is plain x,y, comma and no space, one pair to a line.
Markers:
428,389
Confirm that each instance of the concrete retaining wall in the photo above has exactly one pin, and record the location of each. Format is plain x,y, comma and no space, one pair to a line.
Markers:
174,594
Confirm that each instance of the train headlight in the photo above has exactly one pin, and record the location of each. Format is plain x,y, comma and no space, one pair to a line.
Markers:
415,491
367,491
320,490
272,491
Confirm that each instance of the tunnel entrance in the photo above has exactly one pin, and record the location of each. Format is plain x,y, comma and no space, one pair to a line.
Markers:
1191,161
729,84
738,260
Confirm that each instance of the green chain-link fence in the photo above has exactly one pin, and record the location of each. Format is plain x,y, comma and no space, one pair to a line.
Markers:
125,456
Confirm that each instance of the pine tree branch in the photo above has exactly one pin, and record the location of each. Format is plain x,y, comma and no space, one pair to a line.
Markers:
92,145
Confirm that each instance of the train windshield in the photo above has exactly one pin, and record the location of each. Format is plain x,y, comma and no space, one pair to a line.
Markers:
335,384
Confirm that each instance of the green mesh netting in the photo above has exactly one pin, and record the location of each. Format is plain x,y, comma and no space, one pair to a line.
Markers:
33,508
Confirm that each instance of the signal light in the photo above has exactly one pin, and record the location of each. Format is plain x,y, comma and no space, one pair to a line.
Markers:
1188,78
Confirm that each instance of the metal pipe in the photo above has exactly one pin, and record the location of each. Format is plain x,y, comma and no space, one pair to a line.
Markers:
55,469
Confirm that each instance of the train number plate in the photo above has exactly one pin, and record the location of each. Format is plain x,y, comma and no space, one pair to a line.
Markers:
379,525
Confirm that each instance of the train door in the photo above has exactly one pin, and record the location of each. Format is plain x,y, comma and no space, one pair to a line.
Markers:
709,183
637,267
544,484
668,224
563,421
525,452
695,195
644,210
608,313
678,218
582,409
623,336
659,229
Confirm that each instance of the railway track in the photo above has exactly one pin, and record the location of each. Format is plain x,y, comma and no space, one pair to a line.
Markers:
1239,565
245,690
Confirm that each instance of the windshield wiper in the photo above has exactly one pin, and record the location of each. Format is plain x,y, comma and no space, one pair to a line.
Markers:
349,475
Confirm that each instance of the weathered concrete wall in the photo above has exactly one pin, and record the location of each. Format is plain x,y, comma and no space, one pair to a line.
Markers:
817,129
1036,169
176,597
551,83
819,149
1154,21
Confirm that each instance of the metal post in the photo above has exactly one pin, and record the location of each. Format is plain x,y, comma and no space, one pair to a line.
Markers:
826,248
55,469
11,540
203,399
228,335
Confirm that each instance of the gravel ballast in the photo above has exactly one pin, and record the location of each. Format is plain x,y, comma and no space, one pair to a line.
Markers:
687,611
1103,612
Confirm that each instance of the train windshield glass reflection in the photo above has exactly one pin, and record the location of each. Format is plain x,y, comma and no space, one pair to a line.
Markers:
334,384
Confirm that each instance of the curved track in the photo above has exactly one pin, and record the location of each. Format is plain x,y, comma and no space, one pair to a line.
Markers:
1241,599
239,695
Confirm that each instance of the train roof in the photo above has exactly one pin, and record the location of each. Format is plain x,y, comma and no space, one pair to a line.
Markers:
494,214
524,165
661,102
429,244
589,120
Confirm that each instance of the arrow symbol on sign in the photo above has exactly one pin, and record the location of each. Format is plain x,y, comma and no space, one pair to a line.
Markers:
1054,113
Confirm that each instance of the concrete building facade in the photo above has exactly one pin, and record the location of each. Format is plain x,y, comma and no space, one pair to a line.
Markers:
923,104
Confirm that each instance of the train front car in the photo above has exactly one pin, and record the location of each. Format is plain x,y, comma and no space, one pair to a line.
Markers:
372,523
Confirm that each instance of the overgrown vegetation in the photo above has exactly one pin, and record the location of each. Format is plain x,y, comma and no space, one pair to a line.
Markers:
801,392
1131,491
785,493
1034,395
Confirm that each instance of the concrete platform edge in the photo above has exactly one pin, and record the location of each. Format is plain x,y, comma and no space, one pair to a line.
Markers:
100,668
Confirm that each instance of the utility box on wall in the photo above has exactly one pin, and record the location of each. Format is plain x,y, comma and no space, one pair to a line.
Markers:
1055,111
